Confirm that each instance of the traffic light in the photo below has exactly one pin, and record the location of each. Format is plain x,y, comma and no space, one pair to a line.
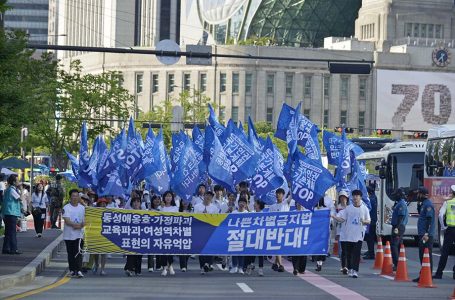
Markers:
383,131
338,129
349,130
420,135
346,129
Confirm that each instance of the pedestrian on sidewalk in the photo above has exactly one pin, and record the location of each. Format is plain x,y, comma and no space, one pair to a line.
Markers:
11,211
57,193
352,234
39,204
447,222
74,217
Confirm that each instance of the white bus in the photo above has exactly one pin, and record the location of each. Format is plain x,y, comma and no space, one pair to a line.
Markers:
397,165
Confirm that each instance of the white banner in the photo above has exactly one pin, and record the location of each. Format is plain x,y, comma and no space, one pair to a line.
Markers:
414,101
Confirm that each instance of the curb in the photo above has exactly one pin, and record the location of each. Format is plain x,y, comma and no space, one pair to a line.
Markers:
36,266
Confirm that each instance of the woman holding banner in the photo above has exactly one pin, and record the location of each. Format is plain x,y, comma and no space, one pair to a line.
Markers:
185,207
134,262
299,262
153,262
168,206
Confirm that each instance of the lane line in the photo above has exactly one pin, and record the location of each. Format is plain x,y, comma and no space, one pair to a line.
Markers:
244,287
436,254
326,285
335,258
40,290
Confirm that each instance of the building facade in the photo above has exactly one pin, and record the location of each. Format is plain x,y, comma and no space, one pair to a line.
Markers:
30,17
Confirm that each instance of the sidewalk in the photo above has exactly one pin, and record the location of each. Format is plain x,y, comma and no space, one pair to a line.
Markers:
36,254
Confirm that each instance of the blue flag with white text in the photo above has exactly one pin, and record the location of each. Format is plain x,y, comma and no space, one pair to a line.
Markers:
219,168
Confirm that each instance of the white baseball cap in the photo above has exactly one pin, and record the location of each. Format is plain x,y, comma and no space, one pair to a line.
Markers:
452,187
343,193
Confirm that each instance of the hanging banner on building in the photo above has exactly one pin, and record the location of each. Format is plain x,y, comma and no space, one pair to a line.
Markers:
148,232
408,100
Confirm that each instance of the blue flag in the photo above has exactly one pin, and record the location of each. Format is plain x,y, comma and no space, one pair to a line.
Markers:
198,137
114,159
268,176
147,156
358,181
186,175
333,145
74,164
213,121
310,180
178,144
241,154
219,168
133,159
160,178
209,139
251,129
294,128
84,160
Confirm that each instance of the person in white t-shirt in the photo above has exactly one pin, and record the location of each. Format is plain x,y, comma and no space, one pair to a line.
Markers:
199,197
206,207
281,205
229,207
168,206
343,198
237,261
219,199
355,217
134,262
74,217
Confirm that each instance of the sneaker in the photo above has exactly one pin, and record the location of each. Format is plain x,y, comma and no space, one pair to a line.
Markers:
234,270
318,268
295,272
261,272
344,271
80,275
164,273
416,279
171,271
280,269
95,269
138,274
151,270
183,270
129,273
249,269
394,268
202,272
241,271
210,268
206,268
301,272
350,272
103,273
354,274
275,267
223,266
71,274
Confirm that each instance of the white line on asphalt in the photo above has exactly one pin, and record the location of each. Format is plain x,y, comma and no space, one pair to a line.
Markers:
436,254
335,258
244,287
221,267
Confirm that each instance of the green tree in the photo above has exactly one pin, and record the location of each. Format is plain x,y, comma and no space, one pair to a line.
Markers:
94,98
25,84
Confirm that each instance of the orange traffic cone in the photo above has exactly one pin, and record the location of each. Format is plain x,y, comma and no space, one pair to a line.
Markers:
453,295
335,248
48,219
379,255
426,280
387,264
402,268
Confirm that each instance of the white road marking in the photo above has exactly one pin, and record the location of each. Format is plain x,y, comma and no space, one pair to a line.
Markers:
335,258
436,254
244,287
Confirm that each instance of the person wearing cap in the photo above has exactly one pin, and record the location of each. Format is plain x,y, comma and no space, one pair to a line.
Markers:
425,225
355,216
399,222
343,198
370,236
447,222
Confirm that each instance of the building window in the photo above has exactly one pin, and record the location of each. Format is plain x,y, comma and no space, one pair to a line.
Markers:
270,83
326,86
430,30
222,114
408,30
343,117
170,83
438,32
155,83
269,116
139,82
235,114
367,31
248,83
222,82
203,82
307,86
361,121
326,118
344,87
289,84
418,30
362,88
186,81
247,113
306,113
235,83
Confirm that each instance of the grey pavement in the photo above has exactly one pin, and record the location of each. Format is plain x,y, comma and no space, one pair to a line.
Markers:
222,285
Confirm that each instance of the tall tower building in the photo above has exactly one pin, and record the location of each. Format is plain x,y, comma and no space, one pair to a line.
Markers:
29,16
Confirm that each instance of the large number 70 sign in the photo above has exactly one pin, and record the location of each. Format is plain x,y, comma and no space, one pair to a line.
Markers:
411,95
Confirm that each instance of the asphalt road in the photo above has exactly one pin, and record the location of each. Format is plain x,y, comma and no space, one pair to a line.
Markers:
328,284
